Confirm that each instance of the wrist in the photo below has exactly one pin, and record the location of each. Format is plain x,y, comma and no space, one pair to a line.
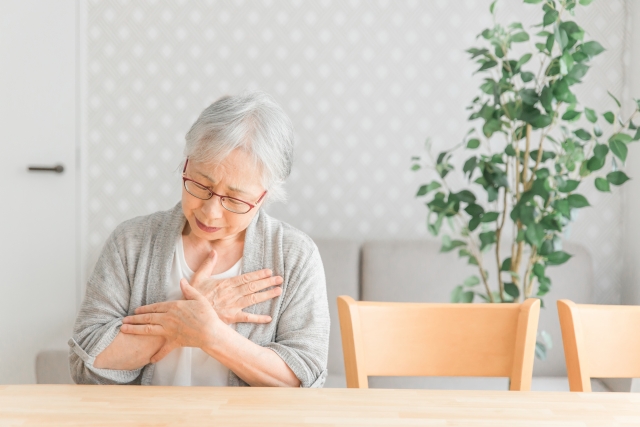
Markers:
215,333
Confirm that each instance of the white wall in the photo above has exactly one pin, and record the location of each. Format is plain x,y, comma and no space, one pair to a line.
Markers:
364,82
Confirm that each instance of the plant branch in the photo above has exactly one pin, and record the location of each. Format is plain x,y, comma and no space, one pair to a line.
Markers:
498,236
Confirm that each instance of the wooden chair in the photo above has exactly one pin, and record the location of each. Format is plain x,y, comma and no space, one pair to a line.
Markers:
600,341
409,339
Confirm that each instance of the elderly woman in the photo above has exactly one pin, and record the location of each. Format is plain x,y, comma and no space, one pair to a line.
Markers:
213,291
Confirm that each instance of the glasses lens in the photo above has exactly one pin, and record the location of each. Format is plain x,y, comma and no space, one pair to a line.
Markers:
235,205
197,190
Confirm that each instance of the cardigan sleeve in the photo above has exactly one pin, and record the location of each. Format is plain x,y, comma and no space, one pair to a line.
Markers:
98,322
302,334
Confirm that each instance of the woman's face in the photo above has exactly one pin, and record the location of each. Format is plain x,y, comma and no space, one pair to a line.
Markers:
236,177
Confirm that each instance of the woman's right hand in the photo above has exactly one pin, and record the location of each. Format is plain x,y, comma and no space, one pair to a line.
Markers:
229,296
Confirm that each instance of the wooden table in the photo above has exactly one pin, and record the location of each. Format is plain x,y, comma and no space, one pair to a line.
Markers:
73,405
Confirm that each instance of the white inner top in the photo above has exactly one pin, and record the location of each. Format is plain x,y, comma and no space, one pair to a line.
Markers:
189,366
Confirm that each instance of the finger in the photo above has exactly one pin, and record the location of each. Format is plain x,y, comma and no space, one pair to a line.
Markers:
144,319
243,317
142,329
259,297
251,277
259,285
164,350
206,268
159,307
191,293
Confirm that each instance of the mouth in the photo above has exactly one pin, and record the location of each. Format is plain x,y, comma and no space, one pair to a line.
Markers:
204,228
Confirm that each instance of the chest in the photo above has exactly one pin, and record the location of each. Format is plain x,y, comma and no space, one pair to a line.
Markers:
227,255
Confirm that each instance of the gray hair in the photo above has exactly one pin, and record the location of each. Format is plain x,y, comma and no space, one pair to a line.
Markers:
253,122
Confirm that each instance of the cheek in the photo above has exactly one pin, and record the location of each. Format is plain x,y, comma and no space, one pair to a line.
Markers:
189,204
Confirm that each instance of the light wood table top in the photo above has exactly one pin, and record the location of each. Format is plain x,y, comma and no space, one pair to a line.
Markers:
74,405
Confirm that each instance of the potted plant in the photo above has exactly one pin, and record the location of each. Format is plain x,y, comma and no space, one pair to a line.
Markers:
531,146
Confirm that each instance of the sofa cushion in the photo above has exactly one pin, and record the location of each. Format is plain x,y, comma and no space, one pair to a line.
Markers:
52,367
341,260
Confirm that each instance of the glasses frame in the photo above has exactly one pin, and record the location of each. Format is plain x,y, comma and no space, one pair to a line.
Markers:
211,193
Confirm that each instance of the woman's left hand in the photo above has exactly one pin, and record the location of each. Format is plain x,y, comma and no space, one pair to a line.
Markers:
184,323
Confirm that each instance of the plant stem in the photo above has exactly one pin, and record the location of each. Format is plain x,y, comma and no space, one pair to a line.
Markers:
483,274
528,285
498,235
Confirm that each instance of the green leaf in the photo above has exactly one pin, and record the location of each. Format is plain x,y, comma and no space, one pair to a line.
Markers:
467,297
533,1
566,63
557,258
526,76
512,290
470,165
523,60
466,196
590,115
550,17
534,234
424,189
602,185
582,2
459,295
456,294
490,217
622,137
473,143
415,167
474,223
487,239
520,37
615,99
541,121
486,65
597,131
571,115
578,201
582,134
568,186
617,177
601,151
448,245
538,270
474,209
595,163
618,148
506,265
608,116
592,48
471,281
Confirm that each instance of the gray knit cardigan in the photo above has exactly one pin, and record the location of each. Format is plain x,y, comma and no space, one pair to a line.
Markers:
133,270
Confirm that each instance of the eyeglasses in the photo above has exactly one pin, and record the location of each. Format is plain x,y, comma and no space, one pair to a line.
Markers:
204,193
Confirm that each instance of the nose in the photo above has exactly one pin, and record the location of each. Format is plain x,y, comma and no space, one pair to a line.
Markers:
212,208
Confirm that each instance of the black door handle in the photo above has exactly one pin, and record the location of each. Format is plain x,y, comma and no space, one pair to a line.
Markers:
56,169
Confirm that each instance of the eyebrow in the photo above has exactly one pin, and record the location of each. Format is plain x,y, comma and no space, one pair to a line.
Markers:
234,189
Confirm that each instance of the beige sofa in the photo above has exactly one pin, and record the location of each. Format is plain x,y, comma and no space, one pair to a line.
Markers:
416,271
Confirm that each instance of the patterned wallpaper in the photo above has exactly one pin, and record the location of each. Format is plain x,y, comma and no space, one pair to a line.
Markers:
364,82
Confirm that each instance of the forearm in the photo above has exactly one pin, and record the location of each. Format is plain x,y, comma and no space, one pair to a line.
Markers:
256,365
128,352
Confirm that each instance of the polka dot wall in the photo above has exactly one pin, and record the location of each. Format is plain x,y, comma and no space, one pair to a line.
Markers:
365,83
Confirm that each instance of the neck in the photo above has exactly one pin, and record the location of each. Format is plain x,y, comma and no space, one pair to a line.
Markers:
219,245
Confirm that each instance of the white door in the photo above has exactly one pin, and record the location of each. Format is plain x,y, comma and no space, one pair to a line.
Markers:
38,208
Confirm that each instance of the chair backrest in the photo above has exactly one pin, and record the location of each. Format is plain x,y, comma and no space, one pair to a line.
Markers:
600,341
417,271
422,339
